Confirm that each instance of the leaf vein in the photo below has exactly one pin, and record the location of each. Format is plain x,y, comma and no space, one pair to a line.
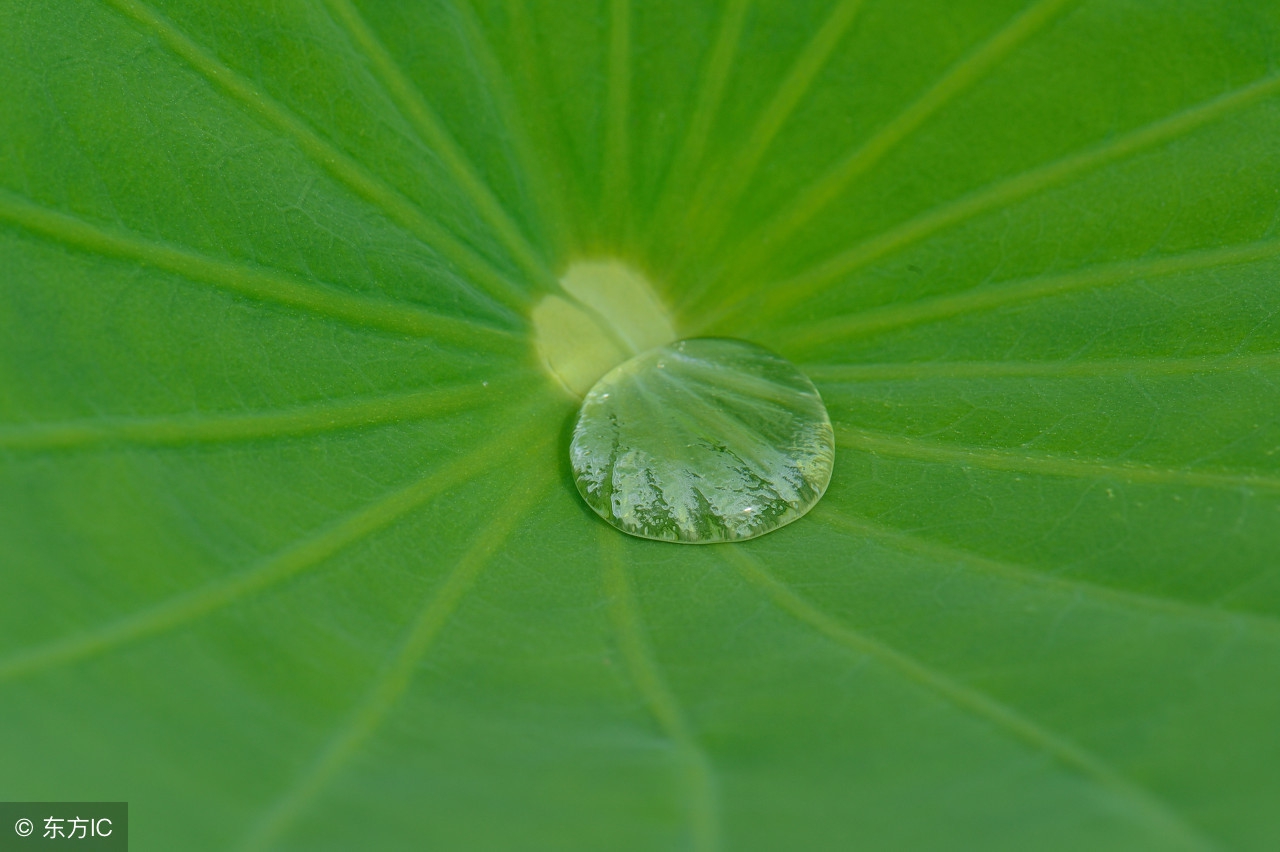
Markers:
255,282
912,371
646,674
500,290
1026,461
963,74
795,290
397,673
716,206
1023,574
617,155
986,297
715,78
308,552
1152,810
559,175
207,427
413,105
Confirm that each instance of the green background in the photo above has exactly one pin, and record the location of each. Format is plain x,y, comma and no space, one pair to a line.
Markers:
289,552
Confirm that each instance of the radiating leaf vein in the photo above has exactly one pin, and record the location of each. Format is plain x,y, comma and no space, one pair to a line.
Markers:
209,427
831,377
1152,811
711,88
786,294
964,73
255,282
413,105
1029,461
713,206
563,180
616,181
307,552
398,671
1071,586
699,773
497,287
544,189
990,296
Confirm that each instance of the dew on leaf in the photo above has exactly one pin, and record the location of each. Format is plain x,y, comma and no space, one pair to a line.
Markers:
702,441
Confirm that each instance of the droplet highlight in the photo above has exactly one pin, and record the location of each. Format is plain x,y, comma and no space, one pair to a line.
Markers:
703,441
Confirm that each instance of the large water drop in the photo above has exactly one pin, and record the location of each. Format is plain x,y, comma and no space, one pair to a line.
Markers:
702,441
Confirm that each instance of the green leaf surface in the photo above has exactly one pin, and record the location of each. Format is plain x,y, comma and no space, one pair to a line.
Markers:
290,552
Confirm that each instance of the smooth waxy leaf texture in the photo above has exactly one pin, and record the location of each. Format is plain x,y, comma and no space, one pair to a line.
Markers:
291,553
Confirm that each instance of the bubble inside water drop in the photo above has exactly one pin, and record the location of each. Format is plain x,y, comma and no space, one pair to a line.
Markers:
702,441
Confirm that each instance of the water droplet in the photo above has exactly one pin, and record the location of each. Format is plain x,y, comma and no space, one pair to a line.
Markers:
702,441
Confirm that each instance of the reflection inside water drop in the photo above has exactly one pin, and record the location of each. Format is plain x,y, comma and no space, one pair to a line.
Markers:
702,441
